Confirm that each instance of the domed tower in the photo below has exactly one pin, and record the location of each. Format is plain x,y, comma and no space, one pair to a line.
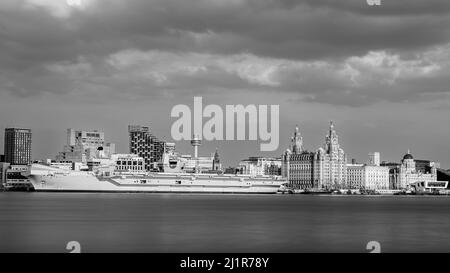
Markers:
407,172
408,161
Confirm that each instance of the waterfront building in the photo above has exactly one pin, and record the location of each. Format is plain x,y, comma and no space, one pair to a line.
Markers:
324,169
3,167
443,175
376,177
369,176
408,172
274,169
402,175
298,165
231,170
393,174
424,166
332,162
89,139
429,186
374,159
355,176
300,169
83,145
144,144
17,146
13,177
260,166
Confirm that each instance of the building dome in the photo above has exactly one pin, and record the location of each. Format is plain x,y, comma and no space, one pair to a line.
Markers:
408,156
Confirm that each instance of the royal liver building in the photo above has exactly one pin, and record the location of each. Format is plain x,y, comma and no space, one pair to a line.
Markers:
323,169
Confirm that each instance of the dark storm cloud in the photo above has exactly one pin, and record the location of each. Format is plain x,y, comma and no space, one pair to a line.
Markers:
288,29
398,7
49,46
106,63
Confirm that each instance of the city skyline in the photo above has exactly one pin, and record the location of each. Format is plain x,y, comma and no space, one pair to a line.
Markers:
215,127
233,162
83,64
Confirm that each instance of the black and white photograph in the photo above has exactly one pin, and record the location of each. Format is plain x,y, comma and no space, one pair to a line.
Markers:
252,127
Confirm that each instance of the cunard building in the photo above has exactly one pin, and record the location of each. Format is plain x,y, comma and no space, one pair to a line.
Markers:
324,169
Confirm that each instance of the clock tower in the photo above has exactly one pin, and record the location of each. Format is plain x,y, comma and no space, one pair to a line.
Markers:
331,140
297,142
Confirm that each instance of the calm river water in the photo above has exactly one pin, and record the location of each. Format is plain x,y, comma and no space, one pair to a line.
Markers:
46,222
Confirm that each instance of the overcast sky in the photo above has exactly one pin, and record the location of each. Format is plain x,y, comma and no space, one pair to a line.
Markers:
381,73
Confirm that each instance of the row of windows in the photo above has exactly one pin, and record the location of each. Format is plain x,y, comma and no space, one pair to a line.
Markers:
129,163
93,135
129,168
